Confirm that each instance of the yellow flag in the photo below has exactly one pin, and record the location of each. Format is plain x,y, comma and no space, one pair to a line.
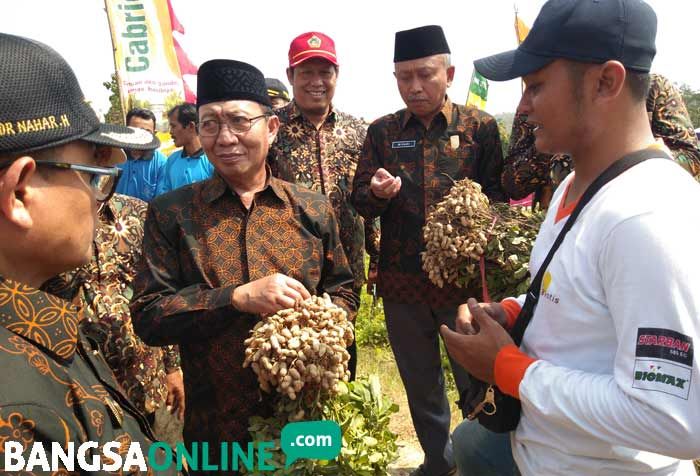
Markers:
144,52
521,29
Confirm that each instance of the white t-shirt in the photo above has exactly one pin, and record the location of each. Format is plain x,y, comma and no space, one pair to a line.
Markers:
617,382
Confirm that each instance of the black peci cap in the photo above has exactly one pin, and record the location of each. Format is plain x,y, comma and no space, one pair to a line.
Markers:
276,88
419,42
226,80
589,31
42,105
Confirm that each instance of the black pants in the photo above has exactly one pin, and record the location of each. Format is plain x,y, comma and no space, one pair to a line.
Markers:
413,331
352,363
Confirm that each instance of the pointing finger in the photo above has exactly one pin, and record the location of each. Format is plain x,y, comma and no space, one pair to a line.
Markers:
451,338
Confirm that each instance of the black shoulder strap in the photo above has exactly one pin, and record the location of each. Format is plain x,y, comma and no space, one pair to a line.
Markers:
533,292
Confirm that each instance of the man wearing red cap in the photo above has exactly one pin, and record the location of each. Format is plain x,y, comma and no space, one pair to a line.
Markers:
318,147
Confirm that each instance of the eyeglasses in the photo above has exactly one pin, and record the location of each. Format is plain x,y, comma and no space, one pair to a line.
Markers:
103,180
235,124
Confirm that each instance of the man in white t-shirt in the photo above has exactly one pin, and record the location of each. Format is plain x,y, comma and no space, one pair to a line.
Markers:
606,374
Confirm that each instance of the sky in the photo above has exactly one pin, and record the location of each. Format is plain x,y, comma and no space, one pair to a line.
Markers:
259,32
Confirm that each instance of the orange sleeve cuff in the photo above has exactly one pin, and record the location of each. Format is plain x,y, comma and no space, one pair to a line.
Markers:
509,369
512,309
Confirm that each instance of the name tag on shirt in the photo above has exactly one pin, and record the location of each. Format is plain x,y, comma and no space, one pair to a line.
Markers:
403,144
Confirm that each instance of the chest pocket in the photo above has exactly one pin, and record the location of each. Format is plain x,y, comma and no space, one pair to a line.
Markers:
457,157
406,154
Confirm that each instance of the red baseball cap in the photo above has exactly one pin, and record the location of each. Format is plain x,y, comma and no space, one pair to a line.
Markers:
311,45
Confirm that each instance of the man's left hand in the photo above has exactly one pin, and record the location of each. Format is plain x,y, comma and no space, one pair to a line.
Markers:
477,352
175,402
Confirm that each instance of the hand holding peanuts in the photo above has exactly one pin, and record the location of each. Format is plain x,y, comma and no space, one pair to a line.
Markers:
269,294
301,350
384,185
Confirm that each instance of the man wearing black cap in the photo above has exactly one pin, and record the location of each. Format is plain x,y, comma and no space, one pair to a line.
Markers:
221,253
410,159
56,386
277,92
607,373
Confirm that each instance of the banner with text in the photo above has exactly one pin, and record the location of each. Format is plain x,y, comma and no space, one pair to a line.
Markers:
144,53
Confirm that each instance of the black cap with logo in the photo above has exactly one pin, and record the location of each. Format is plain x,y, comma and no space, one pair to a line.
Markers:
42,105
276,89
589,31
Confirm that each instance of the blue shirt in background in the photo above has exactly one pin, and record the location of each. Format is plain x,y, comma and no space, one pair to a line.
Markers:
182,170
141,177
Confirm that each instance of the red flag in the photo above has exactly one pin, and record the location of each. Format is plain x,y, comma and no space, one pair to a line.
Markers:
187,68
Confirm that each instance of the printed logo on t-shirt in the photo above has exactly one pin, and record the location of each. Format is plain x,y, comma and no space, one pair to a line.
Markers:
664,361
663,377
544,290
664,344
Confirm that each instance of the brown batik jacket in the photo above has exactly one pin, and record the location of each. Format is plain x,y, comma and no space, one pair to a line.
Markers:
200,243
55,384
324,161
427,160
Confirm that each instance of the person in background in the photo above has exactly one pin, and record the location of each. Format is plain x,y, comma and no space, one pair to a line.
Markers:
143,169
188,164
318,146
526,170
277,92
408,164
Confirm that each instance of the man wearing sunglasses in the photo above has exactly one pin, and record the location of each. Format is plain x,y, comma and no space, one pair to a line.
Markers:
221,253
55,169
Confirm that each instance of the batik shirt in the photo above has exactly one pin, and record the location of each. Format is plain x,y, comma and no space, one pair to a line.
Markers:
461,142
106,285
56,385
526,170
200,243
324,161
670,121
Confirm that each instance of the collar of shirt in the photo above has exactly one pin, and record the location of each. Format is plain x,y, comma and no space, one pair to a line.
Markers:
44,319
294,113
198,154
146,156
216,186
446,111
108,212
